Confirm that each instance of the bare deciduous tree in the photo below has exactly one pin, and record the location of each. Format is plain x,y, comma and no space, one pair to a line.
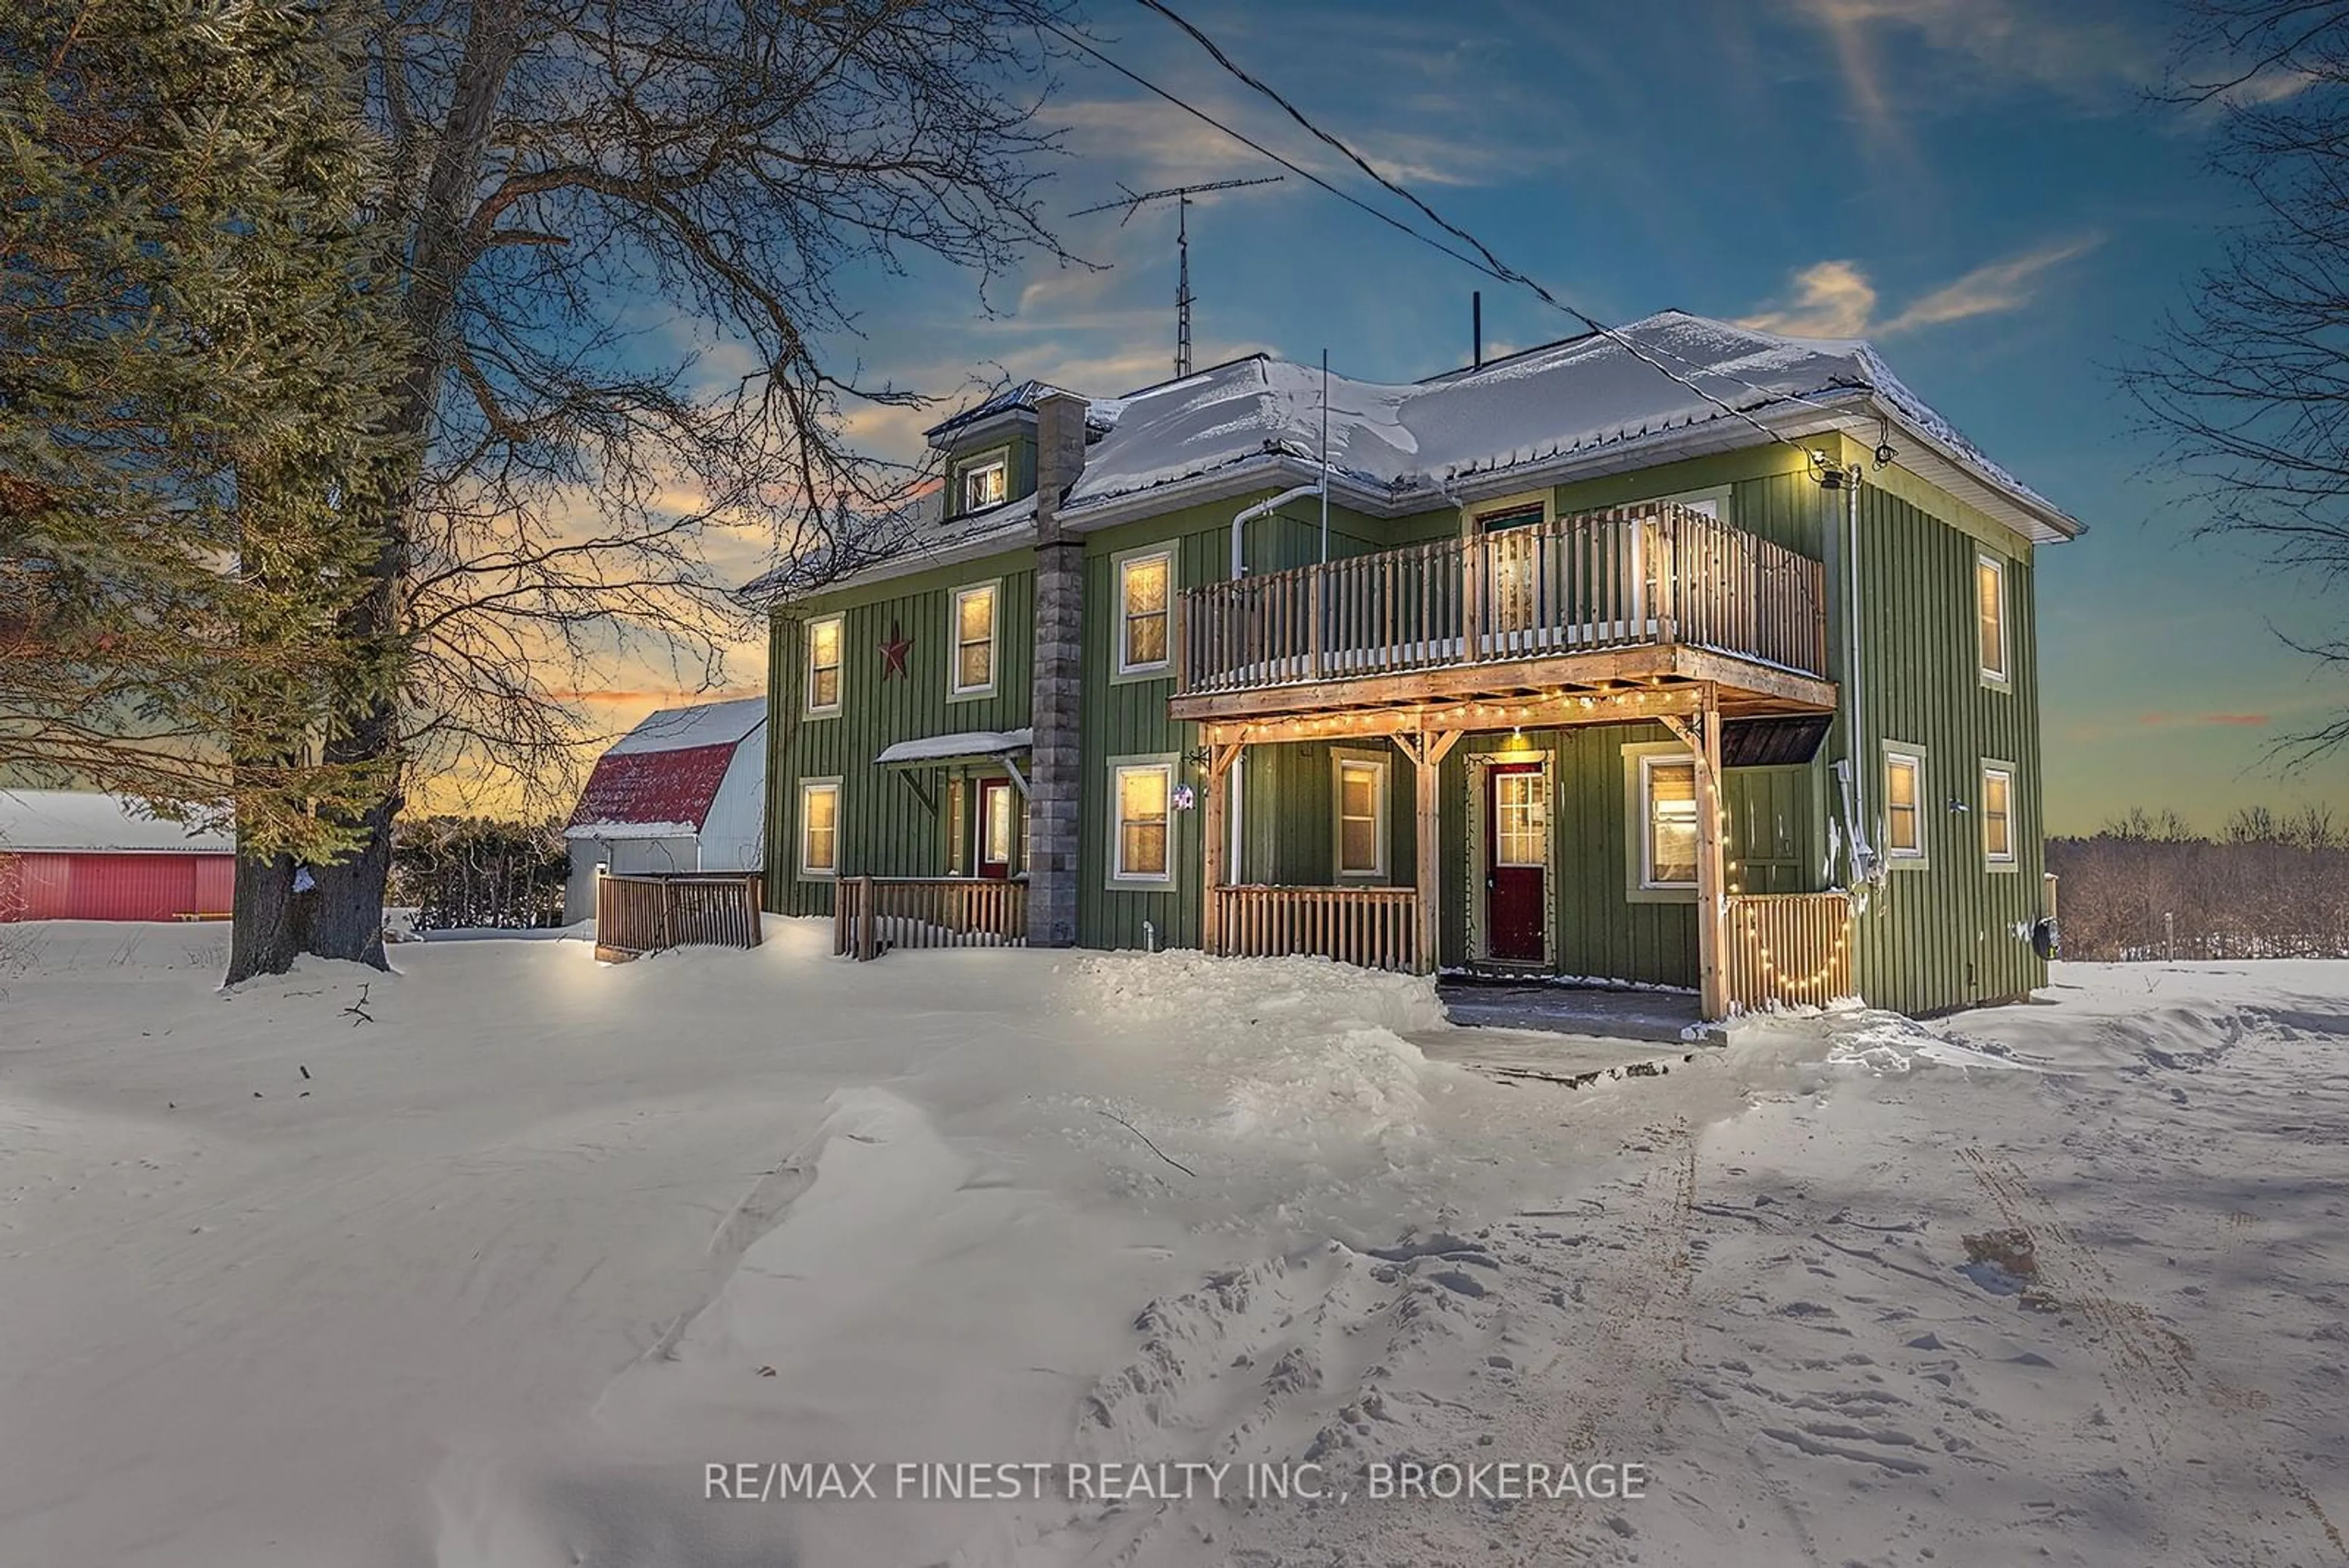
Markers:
627,227
2249,386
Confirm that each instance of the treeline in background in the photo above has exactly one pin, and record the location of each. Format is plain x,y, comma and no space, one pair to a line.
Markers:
467,872
2148,886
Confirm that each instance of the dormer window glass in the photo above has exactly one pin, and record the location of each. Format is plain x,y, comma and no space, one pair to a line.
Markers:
984,481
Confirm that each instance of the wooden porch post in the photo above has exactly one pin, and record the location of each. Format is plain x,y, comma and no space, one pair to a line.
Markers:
1427,753
1701,731
1472,588
1215,824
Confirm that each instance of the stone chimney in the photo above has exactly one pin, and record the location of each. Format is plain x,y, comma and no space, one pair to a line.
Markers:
1056,777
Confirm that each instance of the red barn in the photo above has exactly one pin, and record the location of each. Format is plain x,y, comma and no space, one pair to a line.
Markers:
67,856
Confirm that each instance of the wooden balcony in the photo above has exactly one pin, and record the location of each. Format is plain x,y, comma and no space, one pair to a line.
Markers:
1635,598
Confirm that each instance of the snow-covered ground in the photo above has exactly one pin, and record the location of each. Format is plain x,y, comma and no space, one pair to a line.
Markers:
490,1262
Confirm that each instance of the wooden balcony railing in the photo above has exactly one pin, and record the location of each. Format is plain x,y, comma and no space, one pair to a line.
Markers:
1788,947
1657,574
1374,927
869,915
636,915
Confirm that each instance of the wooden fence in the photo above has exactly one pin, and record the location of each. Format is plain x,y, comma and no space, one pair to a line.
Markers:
1375,927
1658,573
638,914
869,915
1788,947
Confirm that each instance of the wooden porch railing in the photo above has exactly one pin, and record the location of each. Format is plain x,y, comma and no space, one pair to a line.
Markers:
1374,927
1789,948
1656,574
640,914
869,915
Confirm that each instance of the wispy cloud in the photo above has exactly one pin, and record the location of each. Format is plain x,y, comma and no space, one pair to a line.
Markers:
1837,299
2084,48
2166,720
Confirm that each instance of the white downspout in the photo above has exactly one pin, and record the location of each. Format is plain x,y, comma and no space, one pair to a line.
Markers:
1262,509
1863,853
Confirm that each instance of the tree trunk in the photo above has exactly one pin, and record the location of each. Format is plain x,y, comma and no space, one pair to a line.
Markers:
347,921
267,931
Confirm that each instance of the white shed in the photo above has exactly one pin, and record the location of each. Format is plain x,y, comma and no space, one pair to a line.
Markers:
684,790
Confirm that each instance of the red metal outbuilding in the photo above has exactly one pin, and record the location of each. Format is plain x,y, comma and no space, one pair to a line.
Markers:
66,856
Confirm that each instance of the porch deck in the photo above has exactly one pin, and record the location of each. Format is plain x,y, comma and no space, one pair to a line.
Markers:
1613,1012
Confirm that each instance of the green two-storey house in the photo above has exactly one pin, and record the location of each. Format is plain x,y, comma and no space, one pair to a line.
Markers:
1683,656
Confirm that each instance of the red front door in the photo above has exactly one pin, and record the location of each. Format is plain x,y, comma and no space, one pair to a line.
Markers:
1516,859
998,827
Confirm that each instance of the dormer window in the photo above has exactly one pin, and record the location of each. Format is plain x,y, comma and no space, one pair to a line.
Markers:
983,482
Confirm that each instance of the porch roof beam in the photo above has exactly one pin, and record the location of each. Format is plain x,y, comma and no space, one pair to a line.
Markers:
1544,710
1743,684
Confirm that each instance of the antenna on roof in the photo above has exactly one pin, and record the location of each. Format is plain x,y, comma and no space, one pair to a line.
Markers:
1133,201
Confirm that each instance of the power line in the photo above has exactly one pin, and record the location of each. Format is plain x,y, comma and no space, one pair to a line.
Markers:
1483,261
1258,148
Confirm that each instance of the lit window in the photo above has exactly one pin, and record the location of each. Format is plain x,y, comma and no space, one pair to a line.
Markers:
1990,614
1002,825
1904,822
1145,585
820,828
1141,851
824,666
1520,819
983,484
1998,813
973,629
1361,818
1668,789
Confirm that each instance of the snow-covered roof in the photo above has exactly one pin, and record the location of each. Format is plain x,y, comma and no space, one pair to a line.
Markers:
1413,442
1020,399
705,725
659,780
962,743
56,821
1667,386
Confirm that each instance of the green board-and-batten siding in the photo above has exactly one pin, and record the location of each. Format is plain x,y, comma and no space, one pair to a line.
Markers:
887,828
1931,938
1956,931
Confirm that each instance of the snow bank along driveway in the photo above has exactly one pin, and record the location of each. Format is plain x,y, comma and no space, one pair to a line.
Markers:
492,1264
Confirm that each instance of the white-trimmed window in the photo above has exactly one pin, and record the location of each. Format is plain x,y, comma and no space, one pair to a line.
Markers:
1989,615
1904,804
824,637
1142,799
972,673
1668,821
983,482
1145,594
1998,813
999,832
819,827
1361,807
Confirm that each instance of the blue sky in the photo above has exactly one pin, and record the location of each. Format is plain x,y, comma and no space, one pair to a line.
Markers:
1975,184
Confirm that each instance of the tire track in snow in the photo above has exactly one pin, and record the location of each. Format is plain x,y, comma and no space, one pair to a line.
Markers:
2150,1367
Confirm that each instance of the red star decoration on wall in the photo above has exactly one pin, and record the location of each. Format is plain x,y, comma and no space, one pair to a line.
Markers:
894,653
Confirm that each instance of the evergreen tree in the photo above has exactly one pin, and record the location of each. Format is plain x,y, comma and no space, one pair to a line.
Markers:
195,345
